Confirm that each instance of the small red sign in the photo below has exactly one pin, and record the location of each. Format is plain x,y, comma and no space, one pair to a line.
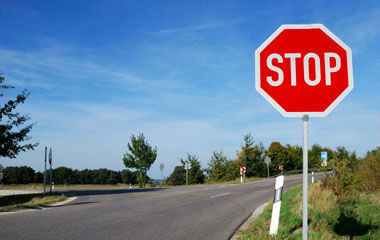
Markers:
50,156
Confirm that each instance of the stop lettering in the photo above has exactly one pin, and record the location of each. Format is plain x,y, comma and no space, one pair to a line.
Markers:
303,69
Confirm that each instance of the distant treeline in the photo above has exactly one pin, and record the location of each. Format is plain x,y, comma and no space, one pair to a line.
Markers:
251,155
63,175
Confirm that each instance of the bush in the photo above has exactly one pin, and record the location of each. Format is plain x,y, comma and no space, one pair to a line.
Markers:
369,172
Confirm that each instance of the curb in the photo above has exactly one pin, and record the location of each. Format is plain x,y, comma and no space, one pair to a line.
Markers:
245,225
70,199
57,204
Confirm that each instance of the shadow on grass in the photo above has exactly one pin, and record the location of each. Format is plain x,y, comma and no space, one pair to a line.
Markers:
17,199
24,198
349,226
107,192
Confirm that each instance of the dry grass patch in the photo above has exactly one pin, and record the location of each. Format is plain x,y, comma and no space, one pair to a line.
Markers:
325,219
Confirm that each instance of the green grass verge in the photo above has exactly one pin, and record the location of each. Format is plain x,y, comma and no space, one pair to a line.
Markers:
325,219
28,201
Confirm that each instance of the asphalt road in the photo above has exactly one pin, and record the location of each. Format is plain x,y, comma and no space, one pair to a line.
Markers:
196,212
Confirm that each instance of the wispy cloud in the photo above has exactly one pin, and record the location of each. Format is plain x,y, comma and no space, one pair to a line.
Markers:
27,66
200,27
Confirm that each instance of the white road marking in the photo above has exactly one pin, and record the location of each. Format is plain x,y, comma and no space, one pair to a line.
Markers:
219,195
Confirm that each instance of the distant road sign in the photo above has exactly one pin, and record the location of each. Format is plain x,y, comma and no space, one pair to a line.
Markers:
267,160
187,166
280,167
242,170
324,156
324,159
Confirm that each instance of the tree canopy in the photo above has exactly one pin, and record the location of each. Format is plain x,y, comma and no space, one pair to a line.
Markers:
13,132
140,155
196,175
251,156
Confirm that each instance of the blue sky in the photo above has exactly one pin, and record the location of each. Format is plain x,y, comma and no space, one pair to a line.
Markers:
181,72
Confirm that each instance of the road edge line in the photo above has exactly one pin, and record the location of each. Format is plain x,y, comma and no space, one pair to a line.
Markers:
247,222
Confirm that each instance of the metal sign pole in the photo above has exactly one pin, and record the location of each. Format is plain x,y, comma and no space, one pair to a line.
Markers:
187,176
305,119
45,172
268,169
50,161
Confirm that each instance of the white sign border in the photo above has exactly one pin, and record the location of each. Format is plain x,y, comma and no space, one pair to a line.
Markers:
300,114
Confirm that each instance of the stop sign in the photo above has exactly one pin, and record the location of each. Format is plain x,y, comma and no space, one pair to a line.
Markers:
303,70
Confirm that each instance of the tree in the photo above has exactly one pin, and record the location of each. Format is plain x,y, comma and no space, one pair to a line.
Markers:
295,156
195,173
279,156
221,169
12,131
177,177
129,177
63,175
217,167
18,175
232,170
342,153
86,176
251,156
140,156
314,156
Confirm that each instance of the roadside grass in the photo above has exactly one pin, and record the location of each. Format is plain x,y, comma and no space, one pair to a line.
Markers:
247,179
325,218
236,180
28,201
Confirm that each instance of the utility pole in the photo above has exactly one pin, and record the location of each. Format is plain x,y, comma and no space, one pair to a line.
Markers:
45,172
187,177
162,169
162,166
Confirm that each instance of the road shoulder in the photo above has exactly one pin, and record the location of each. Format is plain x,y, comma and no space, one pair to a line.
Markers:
248,222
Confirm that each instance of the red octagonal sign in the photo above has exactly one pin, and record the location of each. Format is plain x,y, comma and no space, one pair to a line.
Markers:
304,70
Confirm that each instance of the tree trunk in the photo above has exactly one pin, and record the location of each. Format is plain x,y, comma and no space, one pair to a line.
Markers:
141,182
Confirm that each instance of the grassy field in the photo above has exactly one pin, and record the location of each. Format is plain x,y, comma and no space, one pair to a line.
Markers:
325,219
28,201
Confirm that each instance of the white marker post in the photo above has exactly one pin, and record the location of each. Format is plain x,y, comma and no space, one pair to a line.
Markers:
276,205
267,160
